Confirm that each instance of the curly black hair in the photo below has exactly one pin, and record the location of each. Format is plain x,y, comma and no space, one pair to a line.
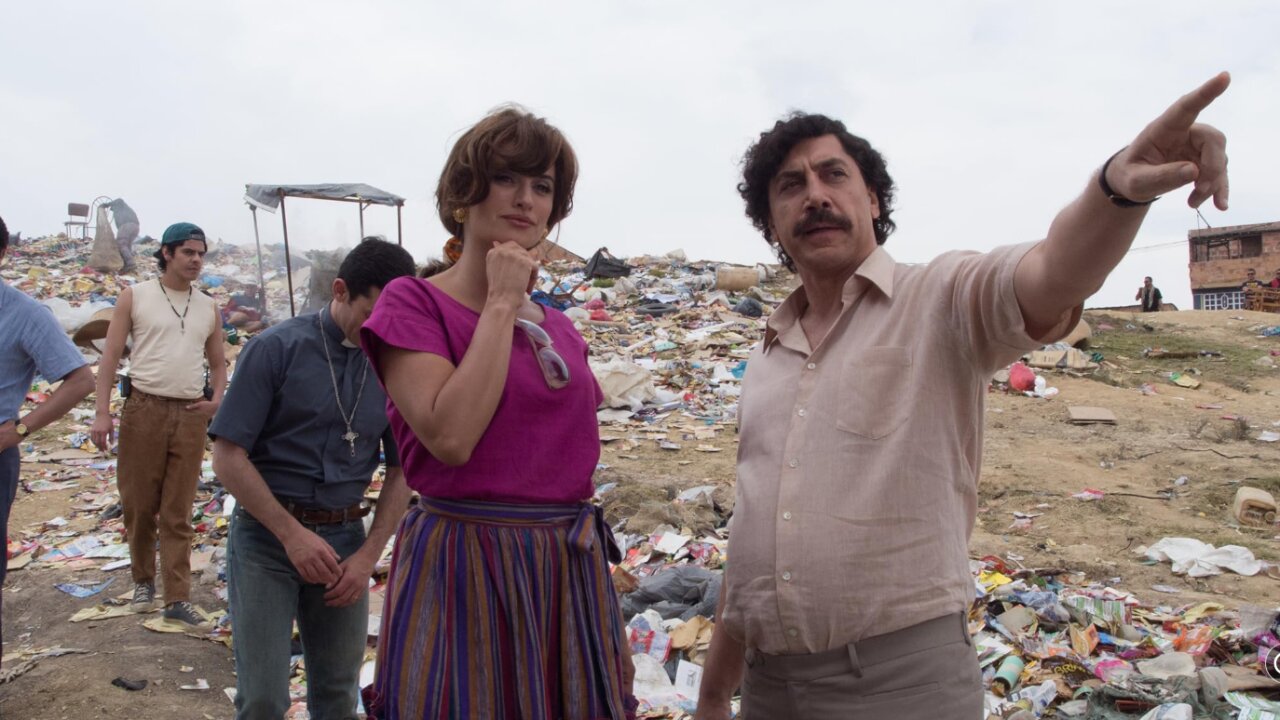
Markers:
763,159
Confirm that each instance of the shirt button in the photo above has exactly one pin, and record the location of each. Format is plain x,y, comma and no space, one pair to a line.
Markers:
786,576
793,463
812,366
793,632
786,515
800,412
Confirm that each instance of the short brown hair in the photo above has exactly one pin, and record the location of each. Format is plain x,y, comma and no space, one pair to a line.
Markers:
507,139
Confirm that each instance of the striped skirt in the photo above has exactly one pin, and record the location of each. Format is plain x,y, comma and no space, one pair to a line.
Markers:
503,612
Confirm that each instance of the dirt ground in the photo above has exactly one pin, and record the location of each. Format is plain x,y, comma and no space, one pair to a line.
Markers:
1034,460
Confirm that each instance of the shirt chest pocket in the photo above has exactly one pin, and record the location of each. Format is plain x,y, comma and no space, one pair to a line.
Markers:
874,388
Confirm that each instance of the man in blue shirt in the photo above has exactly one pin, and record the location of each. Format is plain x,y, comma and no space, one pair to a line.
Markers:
30,340
296,441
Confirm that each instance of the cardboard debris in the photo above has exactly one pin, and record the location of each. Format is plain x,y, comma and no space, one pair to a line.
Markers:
1085,415
1064,359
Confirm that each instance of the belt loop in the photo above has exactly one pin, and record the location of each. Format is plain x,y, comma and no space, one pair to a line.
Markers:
853,660
964,629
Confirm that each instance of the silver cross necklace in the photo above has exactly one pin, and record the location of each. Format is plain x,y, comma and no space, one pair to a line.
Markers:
347,419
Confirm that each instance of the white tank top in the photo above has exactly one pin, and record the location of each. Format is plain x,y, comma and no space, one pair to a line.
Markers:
166,360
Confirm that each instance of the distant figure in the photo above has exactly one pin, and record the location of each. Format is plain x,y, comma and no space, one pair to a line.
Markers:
1251,282
1275,281
1150,296
126,231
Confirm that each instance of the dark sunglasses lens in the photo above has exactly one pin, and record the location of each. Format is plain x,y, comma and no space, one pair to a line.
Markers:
554,365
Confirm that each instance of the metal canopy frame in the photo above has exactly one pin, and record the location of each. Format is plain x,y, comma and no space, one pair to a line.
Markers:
282,193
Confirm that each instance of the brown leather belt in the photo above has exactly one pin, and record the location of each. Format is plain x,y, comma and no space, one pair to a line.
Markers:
320,516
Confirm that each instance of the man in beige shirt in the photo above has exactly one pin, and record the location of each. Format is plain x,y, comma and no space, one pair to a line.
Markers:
861,418
176,329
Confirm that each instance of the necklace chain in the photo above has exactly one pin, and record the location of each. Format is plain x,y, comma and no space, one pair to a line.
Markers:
351,435
182,319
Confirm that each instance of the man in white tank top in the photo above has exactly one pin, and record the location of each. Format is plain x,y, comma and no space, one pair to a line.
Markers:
175,329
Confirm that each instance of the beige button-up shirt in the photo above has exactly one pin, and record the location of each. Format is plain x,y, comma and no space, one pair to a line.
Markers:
858,460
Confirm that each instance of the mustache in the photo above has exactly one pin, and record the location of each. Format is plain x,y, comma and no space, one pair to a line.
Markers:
820,217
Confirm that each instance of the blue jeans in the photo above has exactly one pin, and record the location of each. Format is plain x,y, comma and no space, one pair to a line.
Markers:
8,491
266,594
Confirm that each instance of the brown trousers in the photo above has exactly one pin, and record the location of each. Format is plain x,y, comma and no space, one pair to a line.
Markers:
161,450
924,672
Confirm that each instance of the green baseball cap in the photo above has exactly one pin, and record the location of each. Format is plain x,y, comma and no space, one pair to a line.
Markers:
178,233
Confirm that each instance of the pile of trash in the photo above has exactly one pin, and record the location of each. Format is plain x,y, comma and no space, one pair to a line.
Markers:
1050,643
666,335
1053,645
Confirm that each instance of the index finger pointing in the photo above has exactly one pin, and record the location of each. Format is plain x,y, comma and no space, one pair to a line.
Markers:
1184,111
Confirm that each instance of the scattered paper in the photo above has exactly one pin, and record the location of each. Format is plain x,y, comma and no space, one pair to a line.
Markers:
1089,494
670,542
688,678
84,591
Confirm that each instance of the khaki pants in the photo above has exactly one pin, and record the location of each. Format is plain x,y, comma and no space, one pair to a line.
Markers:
924,672
161,450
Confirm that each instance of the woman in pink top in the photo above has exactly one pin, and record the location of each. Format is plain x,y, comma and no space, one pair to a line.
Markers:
500,603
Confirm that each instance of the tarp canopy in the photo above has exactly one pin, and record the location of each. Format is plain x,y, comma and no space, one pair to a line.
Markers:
267,197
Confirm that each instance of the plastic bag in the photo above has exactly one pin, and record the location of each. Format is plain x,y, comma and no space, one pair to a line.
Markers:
683,591
604,265
1021,377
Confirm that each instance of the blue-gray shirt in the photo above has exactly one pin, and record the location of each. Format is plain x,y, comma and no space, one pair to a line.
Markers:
31,341
122,212
280,408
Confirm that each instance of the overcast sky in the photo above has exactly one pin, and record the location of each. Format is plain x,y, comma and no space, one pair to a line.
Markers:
991,114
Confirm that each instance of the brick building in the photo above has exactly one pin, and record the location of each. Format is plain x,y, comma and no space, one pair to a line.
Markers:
1220,257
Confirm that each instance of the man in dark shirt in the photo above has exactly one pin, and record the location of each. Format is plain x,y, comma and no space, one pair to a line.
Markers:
126,231
1149,295
1251,281
296,442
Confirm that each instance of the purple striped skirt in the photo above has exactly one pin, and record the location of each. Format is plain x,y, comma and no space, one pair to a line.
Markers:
500,611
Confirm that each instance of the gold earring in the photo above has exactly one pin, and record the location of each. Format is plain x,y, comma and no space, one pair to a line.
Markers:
546,233
460,215
453,250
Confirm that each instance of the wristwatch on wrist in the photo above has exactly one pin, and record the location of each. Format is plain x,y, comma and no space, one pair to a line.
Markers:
22,430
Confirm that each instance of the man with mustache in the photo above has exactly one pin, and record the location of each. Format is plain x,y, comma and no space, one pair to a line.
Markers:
861,418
